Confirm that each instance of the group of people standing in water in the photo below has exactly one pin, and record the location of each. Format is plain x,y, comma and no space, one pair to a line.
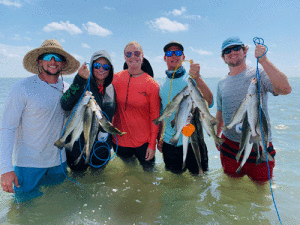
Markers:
35,110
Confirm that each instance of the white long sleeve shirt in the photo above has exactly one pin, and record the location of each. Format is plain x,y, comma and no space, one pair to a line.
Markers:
32,121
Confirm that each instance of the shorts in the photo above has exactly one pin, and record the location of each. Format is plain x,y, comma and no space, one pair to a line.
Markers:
258,173
173,159
31,179
126,154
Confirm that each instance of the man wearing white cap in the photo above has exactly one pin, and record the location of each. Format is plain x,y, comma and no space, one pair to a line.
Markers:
232,90
33,120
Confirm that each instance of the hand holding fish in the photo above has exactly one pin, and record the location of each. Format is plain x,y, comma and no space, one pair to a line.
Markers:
194,70
150,153
84,71
7,180
259,51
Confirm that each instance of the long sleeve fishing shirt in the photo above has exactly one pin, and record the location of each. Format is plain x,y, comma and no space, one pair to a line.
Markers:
32,121
137,104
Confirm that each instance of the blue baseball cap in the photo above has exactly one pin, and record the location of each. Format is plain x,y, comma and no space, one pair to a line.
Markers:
230,42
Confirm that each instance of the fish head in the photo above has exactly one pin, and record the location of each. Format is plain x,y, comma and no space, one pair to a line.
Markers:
252,89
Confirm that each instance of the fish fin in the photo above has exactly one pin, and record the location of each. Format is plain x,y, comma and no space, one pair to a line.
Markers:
258,160
219,141
173,123
174,140
59,144
79,158
156,121
238,170
224,128
214,121
122,133
69,146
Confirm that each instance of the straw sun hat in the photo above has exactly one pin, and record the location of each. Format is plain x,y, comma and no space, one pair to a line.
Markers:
50,46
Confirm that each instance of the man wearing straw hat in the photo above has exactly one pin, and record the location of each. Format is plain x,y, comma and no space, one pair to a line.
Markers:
32,121
173,155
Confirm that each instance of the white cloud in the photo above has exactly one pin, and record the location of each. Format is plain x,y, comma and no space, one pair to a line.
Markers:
182,12
94,29
109,8
17,37
78,57
13,51
178,12
67,26
164,24
201,52
11,3
62,40
85,45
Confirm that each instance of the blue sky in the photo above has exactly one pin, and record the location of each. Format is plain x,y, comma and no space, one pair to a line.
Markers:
83,27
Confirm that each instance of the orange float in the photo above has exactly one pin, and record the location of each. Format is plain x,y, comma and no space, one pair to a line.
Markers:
188,130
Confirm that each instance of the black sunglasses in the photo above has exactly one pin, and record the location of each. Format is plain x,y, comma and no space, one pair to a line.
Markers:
235,48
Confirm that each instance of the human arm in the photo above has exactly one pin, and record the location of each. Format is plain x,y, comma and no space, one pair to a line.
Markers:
71,97
154,108
13,110
278,79
202,86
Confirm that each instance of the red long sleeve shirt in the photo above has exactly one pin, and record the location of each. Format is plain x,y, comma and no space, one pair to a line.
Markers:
137,104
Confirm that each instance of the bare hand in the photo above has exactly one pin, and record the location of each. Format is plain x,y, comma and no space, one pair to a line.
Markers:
194,70
150,153
7,180
259,51
159,146
84,71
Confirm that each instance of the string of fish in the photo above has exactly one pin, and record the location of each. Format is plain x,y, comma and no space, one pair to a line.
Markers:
260,41
93,153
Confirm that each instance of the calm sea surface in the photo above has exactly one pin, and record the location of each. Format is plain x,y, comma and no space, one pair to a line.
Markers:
125,194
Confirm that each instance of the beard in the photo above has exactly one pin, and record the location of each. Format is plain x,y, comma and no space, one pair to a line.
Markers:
51,74
237,63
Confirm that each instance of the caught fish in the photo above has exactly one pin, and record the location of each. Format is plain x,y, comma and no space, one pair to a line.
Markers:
93,134
245,137
185,144
238,116
76,117
253,108
200,101
87,124
198,144
247,152
172,106
103,121
181,117
75,135
211,129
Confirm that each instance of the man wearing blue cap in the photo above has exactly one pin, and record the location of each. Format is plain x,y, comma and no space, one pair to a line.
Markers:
173,153
232,90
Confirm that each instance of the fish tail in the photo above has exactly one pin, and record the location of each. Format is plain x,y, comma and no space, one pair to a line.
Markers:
156,121
174,140
59,143
214,121
224,128
238,170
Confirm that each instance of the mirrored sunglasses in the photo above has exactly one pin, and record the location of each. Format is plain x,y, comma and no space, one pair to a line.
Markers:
106,67
235,48
177,53
49,56
129,54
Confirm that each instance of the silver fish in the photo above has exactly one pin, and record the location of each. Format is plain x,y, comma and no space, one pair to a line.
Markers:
76,116
181,117
247,152
172,106
75,135
197,142
211,129
93,135
103,121
244,137
253,108
238,116
185,143
87,124
200,101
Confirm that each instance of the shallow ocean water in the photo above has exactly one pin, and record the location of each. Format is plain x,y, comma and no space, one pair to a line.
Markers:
125,194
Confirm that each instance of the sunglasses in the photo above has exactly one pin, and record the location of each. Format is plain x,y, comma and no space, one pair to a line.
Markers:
49,56
235,48
177,53
129,54
97,66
